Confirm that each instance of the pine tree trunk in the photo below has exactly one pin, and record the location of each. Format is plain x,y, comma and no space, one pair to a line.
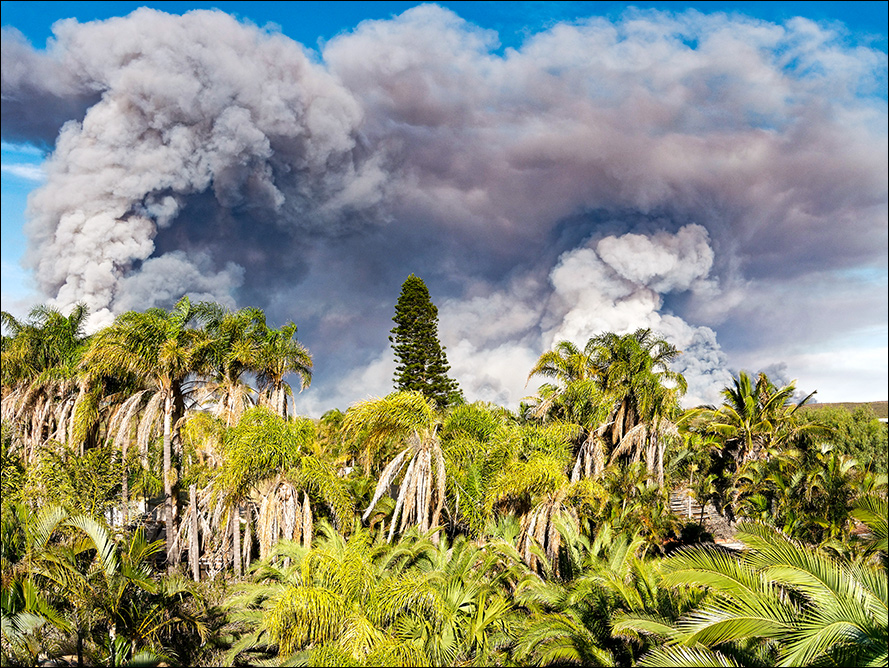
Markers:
194,548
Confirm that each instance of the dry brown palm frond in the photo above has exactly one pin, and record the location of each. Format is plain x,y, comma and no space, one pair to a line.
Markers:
28,398
539,527
146,425
442,482
632,442
590,461
283,517
120,425
405,490
63,411
617,424
389,473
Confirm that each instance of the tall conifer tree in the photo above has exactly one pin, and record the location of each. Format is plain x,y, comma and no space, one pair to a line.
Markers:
422,363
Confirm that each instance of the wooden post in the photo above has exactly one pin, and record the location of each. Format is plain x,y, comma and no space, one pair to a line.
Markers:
236,535
194,549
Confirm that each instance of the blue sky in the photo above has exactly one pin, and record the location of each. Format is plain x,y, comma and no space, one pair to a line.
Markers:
727,275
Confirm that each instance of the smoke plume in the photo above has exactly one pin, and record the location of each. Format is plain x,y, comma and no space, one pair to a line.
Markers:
673,171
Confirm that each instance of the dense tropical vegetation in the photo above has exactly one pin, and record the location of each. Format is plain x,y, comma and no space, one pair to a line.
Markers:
162,503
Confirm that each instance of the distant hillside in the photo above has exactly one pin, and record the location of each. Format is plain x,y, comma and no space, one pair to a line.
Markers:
880,408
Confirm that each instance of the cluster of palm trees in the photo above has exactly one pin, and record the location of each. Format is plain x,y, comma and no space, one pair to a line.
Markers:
401,533
140,377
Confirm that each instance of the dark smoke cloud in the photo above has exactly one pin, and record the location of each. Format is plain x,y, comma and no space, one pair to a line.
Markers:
43,81
679,172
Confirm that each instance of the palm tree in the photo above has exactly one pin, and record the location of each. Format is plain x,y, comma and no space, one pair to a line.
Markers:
873,512
162,351
276,459
279,354
236,339
477,620
344,602
477,444
535,487
633,371
621,391
104,591
755,417
26,607
411,420
40,373
570,620
566,363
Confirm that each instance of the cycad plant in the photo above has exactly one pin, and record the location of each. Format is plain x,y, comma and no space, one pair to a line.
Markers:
778,601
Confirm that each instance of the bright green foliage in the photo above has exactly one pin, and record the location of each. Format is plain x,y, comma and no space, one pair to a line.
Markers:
280,353
30,614
234,351
476,444
620,391
86,484
340,598
47,347
160,351
411,420
857,433
873,512
262,446
757,417
40,375
12,469
365,602
571,621
79,584
422,365
508,539
781,600
274,458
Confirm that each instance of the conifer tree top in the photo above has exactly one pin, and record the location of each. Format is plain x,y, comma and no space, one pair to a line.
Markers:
421,361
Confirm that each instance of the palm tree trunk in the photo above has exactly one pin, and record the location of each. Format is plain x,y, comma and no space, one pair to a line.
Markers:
660,463
281,401
124,487
236,542
248,538
194,548
168,479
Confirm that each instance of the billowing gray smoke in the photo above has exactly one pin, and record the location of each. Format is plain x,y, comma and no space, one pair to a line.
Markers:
665,171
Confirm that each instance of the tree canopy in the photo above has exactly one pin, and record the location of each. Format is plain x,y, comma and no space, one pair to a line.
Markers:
416,529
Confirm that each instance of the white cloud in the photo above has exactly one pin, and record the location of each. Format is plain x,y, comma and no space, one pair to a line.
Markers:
34,173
